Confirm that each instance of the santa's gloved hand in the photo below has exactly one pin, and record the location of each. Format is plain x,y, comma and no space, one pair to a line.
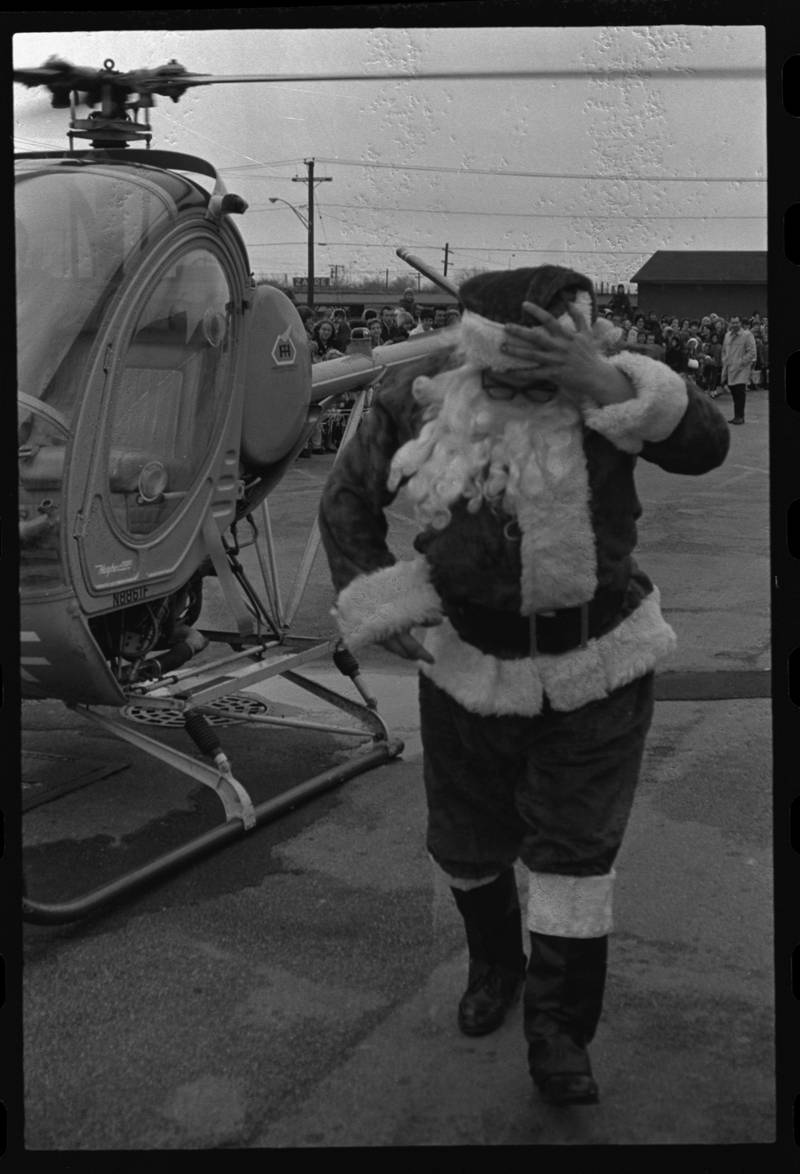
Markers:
407,646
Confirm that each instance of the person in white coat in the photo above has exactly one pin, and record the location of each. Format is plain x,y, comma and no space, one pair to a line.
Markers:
738,357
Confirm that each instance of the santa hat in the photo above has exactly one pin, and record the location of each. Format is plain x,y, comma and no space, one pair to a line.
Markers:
492,299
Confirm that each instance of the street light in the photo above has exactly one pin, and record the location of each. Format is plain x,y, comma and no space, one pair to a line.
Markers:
308,226
280,200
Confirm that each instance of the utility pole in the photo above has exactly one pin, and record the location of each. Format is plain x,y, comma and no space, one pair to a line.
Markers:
310,180
446,255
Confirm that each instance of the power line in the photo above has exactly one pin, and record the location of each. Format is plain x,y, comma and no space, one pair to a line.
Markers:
532,215
554,249
272,163
462,248
548,174
507,173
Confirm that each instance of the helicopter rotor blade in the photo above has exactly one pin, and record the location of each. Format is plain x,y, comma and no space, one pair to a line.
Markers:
36,77
56,69
554,74
172,79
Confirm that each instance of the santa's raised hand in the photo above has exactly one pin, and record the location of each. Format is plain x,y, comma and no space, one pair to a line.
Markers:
567,355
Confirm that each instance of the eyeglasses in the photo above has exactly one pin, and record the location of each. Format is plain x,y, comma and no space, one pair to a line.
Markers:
499,388
501,393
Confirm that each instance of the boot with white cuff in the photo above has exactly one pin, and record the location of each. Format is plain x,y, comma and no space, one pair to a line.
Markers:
569,920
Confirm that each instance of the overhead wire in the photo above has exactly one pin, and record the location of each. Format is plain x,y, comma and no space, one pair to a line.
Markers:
530,215
508,172
476,248
458,248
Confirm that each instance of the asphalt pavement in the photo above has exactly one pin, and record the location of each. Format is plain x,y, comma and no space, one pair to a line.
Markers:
296,988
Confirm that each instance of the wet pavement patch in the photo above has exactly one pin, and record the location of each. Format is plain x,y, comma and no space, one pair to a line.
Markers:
47,776
713,686
78,857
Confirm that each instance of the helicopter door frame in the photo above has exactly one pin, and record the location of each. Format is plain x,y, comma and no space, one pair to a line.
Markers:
112,566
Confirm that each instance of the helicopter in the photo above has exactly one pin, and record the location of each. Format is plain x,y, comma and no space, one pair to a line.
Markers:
162,396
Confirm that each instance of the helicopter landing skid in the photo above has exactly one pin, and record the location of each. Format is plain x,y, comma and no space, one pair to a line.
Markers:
234,661
235,799
194,694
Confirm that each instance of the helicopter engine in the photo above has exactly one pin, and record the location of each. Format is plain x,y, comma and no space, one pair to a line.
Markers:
128,638
277,380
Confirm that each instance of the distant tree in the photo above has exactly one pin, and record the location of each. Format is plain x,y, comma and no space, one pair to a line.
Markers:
371,283
367,284
463,274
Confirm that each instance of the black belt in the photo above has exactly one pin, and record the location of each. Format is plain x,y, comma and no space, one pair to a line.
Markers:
503,633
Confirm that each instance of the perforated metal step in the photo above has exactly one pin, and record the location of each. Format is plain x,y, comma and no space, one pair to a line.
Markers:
231,711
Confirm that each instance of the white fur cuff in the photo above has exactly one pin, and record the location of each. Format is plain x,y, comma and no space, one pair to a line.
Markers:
658,407
570,906
374,606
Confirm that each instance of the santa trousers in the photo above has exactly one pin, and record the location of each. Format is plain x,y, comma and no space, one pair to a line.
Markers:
554,791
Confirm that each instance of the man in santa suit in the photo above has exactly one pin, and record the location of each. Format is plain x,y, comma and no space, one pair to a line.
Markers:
535,632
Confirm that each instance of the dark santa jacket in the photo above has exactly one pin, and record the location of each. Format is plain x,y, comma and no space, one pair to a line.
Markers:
502,586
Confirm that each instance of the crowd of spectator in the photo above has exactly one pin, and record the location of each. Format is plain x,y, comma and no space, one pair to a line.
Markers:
330,331
692,346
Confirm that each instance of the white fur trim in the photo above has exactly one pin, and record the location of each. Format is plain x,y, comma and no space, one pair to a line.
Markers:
553,502
529,455
487,684
570,906
583,304
480,338
655,411
479,341
606,333
482,684
376,605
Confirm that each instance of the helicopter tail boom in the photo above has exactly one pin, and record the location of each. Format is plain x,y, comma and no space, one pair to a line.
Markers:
355,371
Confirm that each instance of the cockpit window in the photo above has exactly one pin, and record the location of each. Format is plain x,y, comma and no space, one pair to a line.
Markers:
170,392
76,232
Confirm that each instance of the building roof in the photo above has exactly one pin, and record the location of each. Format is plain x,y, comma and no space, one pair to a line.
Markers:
704,268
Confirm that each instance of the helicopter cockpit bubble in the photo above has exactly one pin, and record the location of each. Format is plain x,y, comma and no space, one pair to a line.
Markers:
77,233
166,399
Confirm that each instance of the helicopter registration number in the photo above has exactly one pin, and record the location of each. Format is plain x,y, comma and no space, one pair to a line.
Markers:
130,595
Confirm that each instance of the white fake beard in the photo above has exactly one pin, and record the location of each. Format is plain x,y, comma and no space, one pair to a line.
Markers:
526,458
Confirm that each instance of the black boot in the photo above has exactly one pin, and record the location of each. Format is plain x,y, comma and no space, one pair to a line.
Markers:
493,923
562,1003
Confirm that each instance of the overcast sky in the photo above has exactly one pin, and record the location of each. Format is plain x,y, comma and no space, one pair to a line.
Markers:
607,171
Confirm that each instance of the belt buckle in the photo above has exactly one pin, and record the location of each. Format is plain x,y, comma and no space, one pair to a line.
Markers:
584,629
